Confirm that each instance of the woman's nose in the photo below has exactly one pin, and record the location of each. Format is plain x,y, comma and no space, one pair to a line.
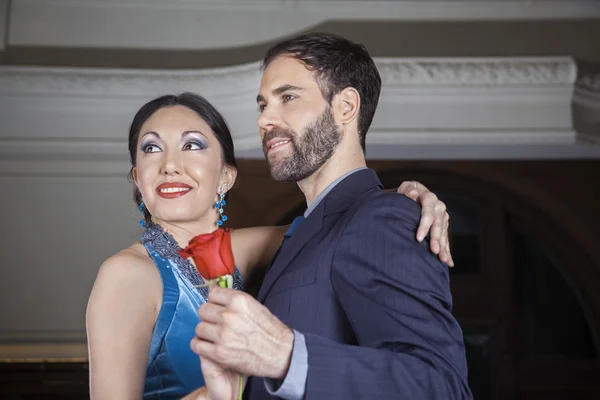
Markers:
171,165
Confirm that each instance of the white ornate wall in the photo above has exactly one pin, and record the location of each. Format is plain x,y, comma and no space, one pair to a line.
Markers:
63,159
509,101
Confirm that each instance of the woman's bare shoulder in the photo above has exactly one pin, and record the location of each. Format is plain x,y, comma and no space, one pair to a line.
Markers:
129,266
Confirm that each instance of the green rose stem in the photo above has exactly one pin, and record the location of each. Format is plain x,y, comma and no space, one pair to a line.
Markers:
226,281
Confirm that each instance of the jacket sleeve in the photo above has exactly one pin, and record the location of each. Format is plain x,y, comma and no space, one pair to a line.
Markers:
396,296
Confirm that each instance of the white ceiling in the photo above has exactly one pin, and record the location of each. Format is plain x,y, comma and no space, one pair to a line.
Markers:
212,24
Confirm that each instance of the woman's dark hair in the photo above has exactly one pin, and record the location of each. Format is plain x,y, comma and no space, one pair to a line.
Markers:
337,63
194,102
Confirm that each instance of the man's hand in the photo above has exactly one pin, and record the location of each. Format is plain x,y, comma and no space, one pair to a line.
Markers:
433,215
239,333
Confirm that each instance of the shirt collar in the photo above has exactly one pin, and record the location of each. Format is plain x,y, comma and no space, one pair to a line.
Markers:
328,189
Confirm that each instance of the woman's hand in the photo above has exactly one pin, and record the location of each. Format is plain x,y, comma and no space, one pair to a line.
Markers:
221,383
433,216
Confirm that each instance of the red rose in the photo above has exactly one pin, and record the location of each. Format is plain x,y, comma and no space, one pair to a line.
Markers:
211,253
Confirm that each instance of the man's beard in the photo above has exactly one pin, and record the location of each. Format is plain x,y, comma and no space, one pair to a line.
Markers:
309,150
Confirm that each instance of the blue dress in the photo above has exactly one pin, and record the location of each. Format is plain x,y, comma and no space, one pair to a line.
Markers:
173,368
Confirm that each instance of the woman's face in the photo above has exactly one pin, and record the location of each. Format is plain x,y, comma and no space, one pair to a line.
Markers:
179,168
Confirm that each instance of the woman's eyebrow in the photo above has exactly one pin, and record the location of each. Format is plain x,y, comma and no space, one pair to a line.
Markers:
185,133
151,133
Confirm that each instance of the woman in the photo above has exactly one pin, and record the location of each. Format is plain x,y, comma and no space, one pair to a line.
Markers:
142,310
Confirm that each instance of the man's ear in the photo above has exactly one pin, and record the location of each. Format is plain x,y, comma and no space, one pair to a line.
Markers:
347,105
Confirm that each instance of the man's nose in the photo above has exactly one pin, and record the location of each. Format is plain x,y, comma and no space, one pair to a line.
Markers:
268,119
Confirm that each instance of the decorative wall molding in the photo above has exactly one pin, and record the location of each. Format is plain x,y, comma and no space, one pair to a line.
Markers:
62,117
477,72
190,24
230,81
100,83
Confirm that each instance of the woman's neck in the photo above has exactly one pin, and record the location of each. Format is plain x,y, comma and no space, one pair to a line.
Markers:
183,232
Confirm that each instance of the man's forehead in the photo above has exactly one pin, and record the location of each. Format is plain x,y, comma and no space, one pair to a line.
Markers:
285,71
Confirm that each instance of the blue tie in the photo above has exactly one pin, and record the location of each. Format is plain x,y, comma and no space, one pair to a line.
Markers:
288,234
292,228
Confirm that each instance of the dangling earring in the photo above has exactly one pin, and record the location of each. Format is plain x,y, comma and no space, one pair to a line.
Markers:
142,221
219,205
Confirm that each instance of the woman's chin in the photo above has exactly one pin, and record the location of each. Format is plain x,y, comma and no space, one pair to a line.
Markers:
183,218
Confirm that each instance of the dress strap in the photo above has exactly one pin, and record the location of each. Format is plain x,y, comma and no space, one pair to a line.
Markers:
169,302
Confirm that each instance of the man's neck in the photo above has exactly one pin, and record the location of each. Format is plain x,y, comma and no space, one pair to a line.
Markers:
338,165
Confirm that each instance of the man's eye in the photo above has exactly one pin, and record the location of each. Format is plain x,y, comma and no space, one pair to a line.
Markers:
261,107
288,97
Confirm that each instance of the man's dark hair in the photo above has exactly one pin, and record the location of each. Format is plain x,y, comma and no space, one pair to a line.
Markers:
337,63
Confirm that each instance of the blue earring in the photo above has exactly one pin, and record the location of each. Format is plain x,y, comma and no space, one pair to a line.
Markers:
142,221
219,205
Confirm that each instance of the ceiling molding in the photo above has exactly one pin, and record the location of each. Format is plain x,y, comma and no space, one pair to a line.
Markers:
63,118
191,24
483,72
127,83
228,81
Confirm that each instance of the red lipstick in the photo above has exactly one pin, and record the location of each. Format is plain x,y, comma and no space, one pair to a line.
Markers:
172,190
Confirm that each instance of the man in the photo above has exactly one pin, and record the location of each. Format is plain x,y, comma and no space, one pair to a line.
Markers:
354,305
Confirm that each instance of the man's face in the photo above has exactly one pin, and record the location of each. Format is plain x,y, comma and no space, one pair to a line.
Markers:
297,126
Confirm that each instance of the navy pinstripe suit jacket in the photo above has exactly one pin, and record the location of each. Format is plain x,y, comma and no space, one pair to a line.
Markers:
373,303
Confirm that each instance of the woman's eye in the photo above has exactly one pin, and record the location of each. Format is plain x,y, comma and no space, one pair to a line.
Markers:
194,146
150,148
261,107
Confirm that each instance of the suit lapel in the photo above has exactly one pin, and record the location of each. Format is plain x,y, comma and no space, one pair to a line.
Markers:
309,228
338,200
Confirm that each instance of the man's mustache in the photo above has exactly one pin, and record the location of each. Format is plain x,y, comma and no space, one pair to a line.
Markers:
277,133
